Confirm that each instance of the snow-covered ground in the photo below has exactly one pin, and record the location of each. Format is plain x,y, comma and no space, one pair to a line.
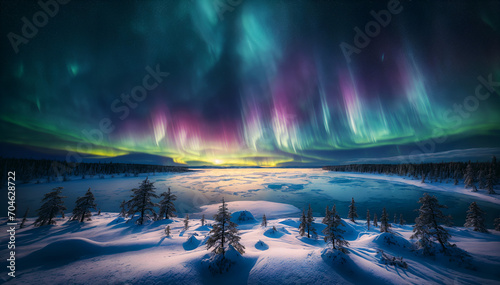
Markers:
107,250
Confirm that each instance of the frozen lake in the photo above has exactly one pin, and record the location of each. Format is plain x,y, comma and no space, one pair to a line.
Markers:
297,187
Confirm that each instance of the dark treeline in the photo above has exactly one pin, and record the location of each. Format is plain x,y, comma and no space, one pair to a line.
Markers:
476,175
50,170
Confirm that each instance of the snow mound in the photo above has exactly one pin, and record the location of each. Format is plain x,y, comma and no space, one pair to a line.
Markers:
204,228
64,251
218,264
273,233
337,258
191,244
451,254
260,245
290,223
117,220
392,240
351,233
258,208
243,217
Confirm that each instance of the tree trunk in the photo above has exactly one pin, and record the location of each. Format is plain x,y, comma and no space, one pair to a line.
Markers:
223,236
142,209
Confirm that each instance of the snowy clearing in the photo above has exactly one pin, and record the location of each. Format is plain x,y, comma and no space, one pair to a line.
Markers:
109,250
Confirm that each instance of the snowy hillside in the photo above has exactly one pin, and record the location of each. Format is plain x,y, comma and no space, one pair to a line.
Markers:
107,250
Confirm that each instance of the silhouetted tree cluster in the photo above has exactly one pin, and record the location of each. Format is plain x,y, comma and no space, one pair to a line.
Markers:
474,175
44,170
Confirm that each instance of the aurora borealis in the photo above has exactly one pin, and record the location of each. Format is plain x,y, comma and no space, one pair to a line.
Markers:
264,83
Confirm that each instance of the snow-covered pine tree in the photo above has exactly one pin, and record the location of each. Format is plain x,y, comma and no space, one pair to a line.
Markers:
311,231
53,204
427,225
333,232
224,232
81,212
490,182
375,221
141,202
475,218
401,220
186,222
264,221
384,222
24,218
203,220
469,176
327,216
167,231
368,219
352,211
497,224
167,207
480,179
303,223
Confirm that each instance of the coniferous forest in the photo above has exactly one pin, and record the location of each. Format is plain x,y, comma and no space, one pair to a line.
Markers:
45,170
474,175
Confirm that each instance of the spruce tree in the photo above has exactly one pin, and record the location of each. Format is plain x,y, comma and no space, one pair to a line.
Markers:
327,216
264,221
368,219
141,202
203,220
427,225
490,182
395,218
81,212
475,218
303,223
333,232
167,231
480,180
401,220
469,176
167,207
53,204
352,211
311,231
375,221
224,232
384,222
186,222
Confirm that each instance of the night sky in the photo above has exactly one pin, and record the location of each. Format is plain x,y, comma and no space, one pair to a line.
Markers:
251,83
